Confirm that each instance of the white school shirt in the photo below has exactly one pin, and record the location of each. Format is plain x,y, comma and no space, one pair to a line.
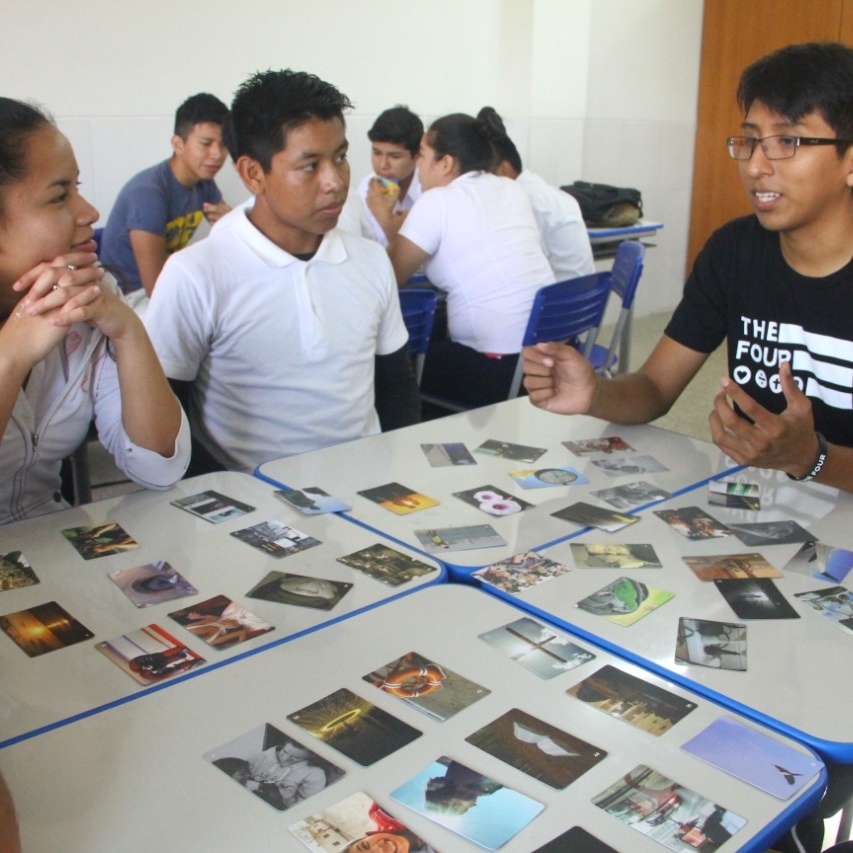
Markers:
281,350
484,251
358,219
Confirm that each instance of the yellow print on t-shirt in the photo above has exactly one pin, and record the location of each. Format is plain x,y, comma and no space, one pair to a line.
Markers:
180,230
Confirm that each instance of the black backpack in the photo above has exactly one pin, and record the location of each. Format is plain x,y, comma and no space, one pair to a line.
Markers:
604,206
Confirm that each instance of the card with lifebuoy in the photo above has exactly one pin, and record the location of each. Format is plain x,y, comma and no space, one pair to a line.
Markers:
398,499
430,688
354,726
492,501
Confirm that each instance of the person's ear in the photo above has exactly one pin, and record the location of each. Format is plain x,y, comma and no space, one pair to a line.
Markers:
848,162
251,173
449,165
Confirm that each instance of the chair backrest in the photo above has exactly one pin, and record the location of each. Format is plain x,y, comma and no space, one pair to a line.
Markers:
418,306
566,311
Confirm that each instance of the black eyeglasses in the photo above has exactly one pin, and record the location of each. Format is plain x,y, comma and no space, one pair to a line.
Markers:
781,147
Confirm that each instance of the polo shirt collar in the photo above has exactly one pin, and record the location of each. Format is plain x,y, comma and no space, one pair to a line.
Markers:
331,250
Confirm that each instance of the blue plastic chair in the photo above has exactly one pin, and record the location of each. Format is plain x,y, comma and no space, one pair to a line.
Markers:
625,276
418,306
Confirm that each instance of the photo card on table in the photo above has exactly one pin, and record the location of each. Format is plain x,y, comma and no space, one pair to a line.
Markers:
221,622
823,562
387,565
509,450
588,515
150,654
100,540
625,601
693,522
520,572
44,628
444,455
719,645
734,495
736,566
771,533
299,590
547,478
575,840
399,499
832,602
614,555
492,501
598,446
631,495
622,466
437,540
275,767
311,500
152,583
276,538
213,506
756,598
15,571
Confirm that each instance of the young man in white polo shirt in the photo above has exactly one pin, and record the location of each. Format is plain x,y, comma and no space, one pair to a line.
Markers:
276,326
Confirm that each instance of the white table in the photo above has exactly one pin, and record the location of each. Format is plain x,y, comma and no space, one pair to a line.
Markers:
55,687
133,778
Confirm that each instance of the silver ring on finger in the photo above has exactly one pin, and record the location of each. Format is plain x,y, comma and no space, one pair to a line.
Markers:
72,267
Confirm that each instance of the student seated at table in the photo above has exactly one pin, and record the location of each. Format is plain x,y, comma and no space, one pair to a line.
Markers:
158,211
388,193
477,238
558,215
70,348
778,285
276,326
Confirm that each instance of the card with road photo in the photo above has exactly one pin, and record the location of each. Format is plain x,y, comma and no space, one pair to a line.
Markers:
537,748
398,499
625,601
719,645
589,515
621,466
428,687
467,802
771,533
354,726
44,628
575,840
756,598
631,699
823,562
100,540
833,602
276,538
492,501
152,583
387,565
693,522
221,622
598,446
547,478
736,566
311,500
631,495
299,590
444,455
520,572
150,654
15,571
734,495
755,757
539,648
605,555
437,540
213,506
508,450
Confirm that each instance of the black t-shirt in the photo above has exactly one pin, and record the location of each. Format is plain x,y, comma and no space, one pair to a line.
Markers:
742,289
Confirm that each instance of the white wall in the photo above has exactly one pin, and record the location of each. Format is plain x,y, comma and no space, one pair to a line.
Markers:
595,89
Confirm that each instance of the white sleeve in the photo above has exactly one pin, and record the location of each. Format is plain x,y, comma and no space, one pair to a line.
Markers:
425,223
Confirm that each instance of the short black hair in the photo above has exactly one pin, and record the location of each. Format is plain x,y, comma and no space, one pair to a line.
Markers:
803,78
270,104
399,126
17,121
504,147
198,109
464,138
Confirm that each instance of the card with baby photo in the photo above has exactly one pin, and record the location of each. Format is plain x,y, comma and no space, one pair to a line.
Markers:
508,450
771,533
387,565
311,500
734,495
299,590
604,555
213,506
398,499
443,455
631,495
354,726
15,571
468,803
621,466
221,622
438,540
598,446
44,628
756,598
275,538
537,748
274,766
625,601
589,515
100,540
422,684
832,602
520,572
575,840
693,522
149,655
821,562
666,811
719,645
152,583
360,823
492,500
537,647
547,478
736,566
633,700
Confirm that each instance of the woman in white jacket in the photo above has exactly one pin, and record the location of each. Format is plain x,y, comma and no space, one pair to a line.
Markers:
70,348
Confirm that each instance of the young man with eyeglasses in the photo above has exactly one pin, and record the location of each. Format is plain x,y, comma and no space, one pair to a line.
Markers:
778,285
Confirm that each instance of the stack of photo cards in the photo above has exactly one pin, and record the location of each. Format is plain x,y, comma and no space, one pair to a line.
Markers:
492,501
386,565
221,622
756,598
605,555
508,450
437,540
754,757
399,499
693,522
44,628
311,500
520,572
15,571
152,583
822,562
100,540
299,590
719,645
444,455
537,647
734,495
213,506
149,655
467,802
589,515
547,478
275,538
575,840
834,603
275,767
625,601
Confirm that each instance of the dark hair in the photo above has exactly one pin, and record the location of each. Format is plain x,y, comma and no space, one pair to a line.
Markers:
804,78
464,138
504,147
198,109
17,121
271,103
399,126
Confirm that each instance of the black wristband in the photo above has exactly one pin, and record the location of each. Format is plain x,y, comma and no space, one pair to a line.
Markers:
818,463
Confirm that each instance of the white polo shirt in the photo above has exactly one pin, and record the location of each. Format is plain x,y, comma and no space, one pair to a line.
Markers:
357,217
281,350
485,252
